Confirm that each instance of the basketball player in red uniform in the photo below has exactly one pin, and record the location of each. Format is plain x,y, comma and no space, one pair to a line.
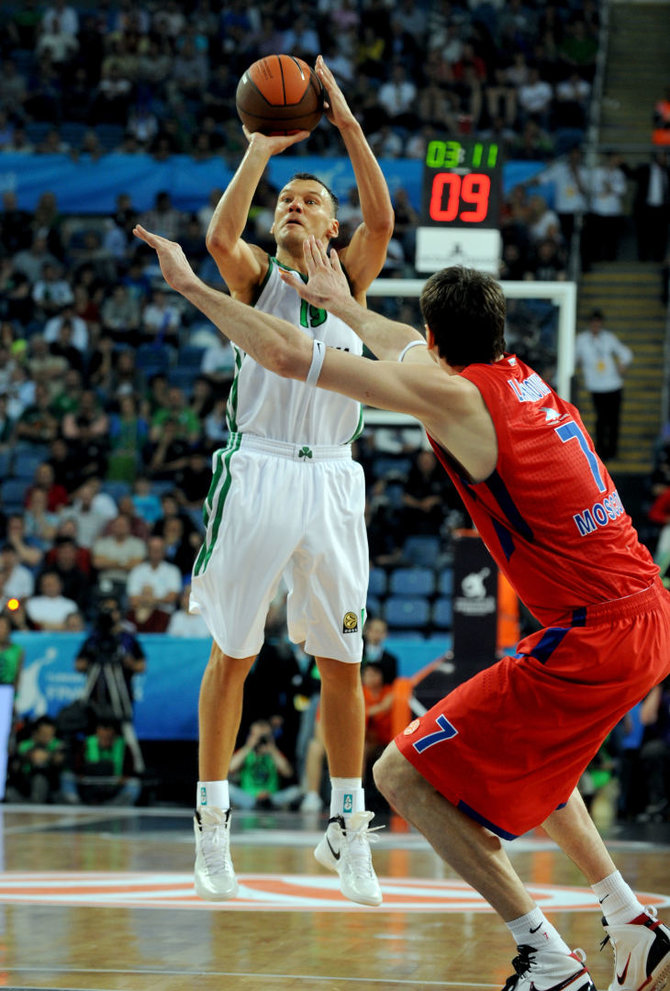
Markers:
502,753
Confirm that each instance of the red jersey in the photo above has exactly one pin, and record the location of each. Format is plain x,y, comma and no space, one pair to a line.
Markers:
549,513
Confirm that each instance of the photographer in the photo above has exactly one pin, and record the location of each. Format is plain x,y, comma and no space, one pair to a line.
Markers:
116,651
261,767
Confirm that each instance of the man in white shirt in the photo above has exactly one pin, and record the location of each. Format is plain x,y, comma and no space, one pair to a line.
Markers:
49,609
16,581
117,553
603,360
606,217
153,588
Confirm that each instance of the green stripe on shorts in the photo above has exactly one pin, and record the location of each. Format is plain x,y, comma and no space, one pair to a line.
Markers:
223,465
223,486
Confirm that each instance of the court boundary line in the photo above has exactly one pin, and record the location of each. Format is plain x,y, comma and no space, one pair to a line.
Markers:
157,972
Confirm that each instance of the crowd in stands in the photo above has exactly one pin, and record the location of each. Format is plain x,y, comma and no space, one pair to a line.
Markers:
112,390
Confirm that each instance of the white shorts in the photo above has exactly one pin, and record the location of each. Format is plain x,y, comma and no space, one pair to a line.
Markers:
276,509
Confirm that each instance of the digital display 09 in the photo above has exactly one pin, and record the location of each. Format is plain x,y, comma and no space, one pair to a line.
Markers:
461,184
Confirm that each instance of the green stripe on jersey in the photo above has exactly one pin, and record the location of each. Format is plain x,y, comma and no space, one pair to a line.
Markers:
231,405
216,502
359,426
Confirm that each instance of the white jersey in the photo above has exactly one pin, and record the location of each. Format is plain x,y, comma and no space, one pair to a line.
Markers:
267,405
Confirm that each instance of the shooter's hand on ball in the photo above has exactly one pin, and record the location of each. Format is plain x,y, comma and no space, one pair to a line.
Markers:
273,144
173,262
327,284
337,109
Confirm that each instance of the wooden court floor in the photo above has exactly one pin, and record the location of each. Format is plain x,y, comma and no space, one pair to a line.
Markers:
102,899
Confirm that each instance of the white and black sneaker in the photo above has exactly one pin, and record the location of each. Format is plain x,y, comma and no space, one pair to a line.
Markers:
641,953
549,970
346,850
215,879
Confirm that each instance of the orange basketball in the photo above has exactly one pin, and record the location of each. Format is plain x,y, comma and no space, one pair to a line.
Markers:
279,94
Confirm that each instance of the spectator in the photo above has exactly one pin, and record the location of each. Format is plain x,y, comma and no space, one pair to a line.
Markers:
603,360
27,550
45,366
128,432
546,262
425,499
161,321
88,512
16,580
607,209
51,292
11,655
651,207
535,99
40,523
30,261
79,330
116,553
572,185
105,772
397,98
49,608
44,480
185,624
261,767
153,588
38,763
87,431
120,315
37,424
375,633
63,560
379,696
110,649
164,219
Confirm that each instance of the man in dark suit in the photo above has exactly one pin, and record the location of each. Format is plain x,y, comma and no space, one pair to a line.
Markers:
651,207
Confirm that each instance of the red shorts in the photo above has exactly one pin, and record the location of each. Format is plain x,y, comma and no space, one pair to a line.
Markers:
509,746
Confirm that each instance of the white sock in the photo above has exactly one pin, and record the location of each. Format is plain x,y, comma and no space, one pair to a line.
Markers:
346,797
617,900
534,930
212,794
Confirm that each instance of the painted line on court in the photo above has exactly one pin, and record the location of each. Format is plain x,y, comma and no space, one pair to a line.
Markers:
272,893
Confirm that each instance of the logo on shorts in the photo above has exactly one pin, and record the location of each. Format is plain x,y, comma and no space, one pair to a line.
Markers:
305,452
350,623
412,728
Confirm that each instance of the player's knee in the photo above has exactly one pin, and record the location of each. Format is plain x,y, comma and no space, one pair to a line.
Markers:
389,773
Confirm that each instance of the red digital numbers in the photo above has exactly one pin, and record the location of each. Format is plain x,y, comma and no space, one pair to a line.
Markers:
472,190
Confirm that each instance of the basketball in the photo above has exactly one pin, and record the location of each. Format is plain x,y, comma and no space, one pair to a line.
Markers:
279,94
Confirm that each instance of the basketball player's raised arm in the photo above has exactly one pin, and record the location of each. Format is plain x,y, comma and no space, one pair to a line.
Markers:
327,288
286,350
364,256
243,265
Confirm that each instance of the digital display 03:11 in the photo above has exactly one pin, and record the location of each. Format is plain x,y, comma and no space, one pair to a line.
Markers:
462,183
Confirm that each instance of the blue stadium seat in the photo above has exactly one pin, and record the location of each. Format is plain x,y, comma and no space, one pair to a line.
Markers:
152,359
406,612
13,494
422,550
116,488
183,378
443,613
445,582
384,467
373,606
190,356
377,583
412,581
5,464
25,464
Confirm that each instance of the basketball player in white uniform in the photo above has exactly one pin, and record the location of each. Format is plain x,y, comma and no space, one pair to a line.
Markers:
288,501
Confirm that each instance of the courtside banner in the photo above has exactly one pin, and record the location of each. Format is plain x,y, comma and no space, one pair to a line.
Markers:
166,695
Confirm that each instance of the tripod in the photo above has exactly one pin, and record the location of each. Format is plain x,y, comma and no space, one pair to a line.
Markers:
119,701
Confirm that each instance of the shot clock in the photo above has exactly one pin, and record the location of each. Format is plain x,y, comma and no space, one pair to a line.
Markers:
460,208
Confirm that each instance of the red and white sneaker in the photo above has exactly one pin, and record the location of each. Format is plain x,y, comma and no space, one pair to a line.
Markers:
549,970
641,953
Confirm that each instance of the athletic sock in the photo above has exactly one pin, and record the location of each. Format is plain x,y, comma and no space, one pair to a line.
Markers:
346,797
534,930
617,900
212,794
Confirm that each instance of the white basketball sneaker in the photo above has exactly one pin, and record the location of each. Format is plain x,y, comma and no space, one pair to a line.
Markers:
346,850
215,879
549,970
641,953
